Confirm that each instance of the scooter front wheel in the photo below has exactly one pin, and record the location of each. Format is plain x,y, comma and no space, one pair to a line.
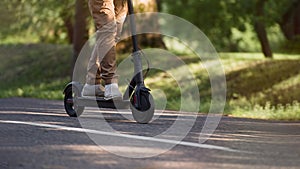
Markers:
70,102
144,114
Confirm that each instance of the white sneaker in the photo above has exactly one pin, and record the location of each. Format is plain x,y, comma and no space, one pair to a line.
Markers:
112,92
92,90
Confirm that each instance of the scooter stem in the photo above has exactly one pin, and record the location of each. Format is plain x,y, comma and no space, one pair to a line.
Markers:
138,75
132,26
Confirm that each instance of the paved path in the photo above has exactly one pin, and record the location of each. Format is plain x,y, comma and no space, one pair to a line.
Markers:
38,134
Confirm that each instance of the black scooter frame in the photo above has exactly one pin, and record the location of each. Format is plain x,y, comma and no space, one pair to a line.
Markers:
137,81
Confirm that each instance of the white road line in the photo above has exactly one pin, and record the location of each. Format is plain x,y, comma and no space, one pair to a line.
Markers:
184,143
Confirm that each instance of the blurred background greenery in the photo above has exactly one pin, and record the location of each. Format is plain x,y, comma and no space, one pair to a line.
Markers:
258,42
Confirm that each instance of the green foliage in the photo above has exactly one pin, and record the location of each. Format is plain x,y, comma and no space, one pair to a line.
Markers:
209,16
43,19
8,18
226,22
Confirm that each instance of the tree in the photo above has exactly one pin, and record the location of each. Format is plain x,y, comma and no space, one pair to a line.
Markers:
214,17
145,40
153,40
260,28
7,17
43,19
53,21
290,21
80,35
218,18
159,7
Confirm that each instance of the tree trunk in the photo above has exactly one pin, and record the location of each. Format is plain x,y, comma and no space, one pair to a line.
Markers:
260,28
145,40
290,21
297,19
70,28
80,35
159,7
152,40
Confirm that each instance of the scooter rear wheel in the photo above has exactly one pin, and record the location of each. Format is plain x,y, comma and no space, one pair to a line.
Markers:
70,102
145,114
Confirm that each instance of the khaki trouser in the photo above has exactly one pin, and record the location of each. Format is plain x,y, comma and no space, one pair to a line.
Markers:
109,16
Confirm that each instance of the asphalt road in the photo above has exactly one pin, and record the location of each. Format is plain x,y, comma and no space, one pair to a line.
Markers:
38,134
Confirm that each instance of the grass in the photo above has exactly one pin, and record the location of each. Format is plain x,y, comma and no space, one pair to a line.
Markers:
288,112
256,87
35,70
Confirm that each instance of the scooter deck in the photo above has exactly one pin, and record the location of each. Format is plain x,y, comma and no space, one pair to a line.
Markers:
102,103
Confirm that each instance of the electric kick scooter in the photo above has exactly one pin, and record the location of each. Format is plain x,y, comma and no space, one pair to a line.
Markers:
136,97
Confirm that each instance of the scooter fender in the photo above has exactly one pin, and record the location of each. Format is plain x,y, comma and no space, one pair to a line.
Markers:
76,85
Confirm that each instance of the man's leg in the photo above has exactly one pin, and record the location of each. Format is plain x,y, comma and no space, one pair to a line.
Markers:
110,33
93,80
93,70
111,87
103,12
121,10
